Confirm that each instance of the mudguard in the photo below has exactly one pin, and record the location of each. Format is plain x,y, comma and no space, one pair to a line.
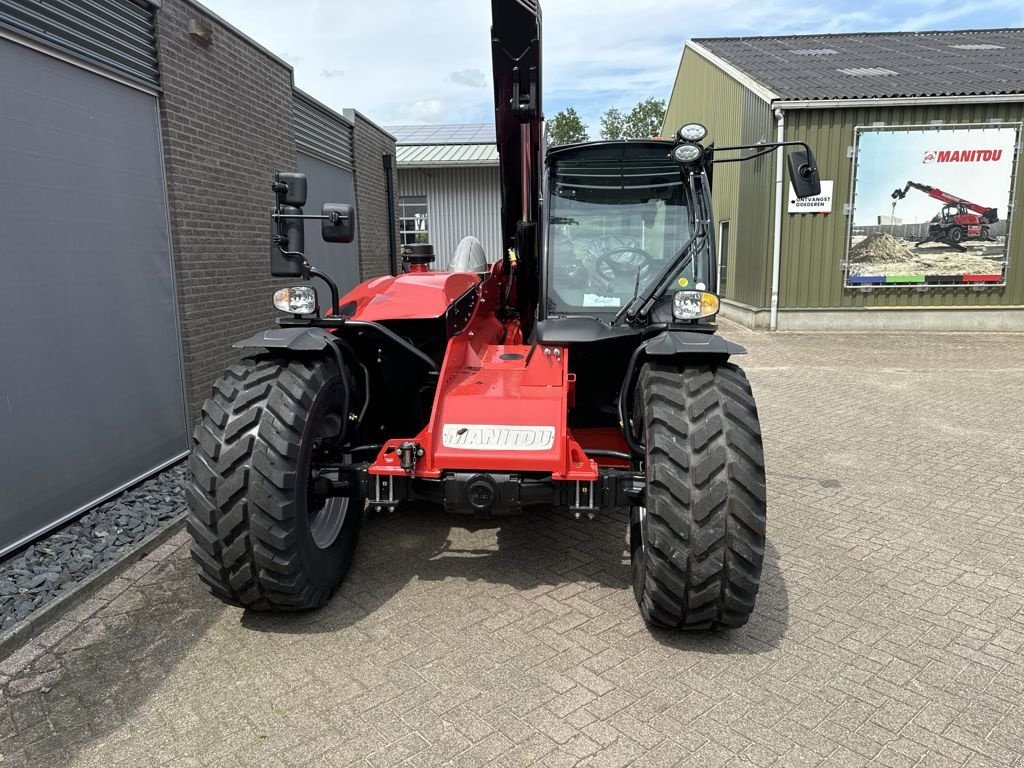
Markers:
671,343
294,339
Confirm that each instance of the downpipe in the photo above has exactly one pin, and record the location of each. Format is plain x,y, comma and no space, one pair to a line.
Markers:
780,177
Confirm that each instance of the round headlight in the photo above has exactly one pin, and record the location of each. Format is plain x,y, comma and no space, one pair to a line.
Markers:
686,153
300,300
692,132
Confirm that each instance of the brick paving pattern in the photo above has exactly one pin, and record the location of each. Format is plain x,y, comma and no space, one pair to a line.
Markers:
889,630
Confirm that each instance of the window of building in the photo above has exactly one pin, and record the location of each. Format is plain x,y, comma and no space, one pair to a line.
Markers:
412,219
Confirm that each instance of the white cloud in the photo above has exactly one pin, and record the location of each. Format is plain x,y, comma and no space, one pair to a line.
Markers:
472,78
411,61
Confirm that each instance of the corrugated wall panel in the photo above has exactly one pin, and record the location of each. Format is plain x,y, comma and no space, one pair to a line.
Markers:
118,35
813,247
733,115
460,202
755,217
322,135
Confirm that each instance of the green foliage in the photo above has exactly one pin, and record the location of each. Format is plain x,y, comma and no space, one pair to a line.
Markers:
645,119
566,128
612,124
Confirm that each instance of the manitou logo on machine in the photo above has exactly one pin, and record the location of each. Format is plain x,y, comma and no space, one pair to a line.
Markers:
963,156
482,437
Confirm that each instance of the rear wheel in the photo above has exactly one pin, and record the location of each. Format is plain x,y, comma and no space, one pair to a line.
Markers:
261,537
698,545
985,234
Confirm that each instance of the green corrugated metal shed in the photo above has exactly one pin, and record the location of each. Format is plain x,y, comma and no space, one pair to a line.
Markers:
739,108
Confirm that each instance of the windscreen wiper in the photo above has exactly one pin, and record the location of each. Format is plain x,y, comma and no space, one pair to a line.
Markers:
641,305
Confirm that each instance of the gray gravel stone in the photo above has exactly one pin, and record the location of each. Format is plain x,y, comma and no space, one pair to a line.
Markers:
40,572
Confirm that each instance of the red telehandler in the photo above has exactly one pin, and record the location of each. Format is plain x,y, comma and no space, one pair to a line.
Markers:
958,220
581,371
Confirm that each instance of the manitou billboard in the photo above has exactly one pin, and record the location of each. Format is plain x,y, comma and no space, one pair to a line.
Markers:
931,205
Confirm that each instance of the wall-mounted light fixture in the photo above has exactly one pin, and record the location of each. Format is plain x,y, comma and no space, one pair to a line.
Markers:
200,31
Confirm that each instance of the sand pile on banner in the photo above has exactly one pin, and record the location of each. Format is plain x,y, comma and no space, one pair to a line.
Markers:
881,248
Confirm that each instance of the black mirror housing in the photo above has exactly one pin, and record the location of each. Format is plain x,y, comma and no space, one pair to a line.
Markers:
290,189
339,224
803,173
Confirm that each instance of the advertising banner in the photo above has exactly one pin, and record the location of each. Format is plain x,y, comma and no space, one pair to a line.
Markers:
931,205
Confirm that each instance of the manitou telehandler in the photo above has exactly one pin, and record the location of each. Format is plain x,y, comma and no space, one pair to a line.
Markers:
958,220
581,371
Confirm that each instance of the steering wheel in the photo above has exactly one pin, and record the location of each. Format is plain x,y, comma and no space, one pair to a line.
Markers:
639,260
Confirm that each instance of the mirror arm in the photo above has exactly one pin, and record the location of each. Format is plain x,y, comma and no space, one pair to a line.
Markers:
765,147
333,286
309,272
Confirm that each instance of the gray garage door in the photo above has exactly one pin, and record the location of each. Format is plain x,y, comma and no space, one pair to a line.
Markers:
91,394
329,184
324,140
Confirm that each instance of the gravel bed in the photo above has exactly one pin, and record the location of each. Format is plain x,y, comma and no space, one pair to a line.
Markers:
33,576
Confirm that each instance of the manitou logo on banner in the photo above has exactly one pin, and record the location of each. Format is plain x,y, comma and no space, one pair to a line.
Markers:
963,156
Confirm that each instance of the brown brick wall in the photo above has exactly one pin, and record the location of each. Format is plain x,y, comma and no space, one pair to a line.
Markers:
371,144
226,112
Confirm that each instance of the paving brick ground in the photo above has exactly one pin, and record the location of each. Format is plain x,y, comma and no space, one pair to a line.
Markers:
889,630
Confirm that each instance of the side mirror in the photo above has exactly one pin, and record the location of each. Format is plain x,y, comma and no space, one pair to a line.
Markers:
290,189
339,223
803,173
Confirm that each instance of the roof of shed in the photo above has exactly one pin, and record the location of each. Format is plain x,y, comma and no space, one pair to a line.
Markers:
433,146
435,155
879,65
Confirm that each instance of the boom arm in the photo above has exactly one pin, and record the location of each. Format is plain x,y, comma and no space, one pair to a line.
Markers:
989,214
519,120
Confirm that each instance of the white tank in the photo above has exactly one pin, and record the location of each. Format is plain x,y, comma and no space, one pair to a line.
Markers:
468,257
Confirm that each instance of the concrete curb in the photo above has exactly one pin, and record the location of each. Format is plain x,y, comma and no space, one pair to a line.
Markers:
49,613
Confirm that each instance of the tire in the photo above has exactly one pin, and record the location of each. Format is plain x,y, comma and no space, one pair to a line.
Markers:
955,235
985,235
259,538
698,546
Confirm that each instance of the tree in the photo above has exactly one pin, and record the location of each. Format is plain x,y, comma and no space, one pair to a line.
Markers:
566,128
645,119
612,124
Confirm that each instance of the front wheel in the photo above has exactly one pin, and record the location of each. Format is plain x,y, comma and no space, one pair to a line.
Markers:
262,537
698,544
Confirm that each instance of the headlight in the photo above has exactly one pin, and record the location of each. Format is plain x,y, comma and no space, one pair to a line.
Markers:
692,132
300,300
692,305
686,153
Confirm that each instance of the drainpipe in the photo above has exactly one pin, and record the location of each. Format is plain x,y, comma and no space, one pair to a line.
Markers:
389,190
780,194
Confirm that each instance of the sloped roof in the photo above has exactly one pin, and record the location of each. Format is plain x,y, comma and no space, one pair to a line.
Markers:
436,155
879,65
434,146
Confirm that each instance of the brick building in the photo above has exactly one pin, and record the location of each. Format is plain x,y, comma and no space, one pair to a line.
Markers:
154,128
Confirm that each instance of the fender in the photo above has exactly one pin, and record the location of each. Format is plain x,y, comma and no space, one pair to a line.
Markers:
292,339
670,344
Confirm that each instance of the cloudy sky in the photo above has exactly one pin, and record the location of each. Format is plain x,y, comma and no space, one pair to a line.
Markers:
428,61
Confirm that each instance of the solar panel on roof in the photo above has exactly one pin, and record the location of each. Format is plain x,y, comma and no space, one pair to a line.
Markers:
471,133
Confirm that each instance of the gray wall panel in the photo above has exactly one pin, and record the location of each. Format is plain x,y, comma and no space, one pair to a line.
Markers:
329,184
91,390
460,202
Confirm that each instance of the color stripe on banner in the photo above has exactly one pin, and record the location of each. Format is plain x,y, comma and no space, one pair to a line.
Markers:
904,279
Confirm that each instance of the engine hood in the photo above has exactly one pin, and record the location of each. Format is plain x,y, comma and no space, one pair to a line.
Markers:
409,296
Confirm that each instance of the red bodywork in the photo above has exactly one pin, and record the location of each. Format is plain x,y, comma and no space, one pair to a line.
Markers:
500,405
